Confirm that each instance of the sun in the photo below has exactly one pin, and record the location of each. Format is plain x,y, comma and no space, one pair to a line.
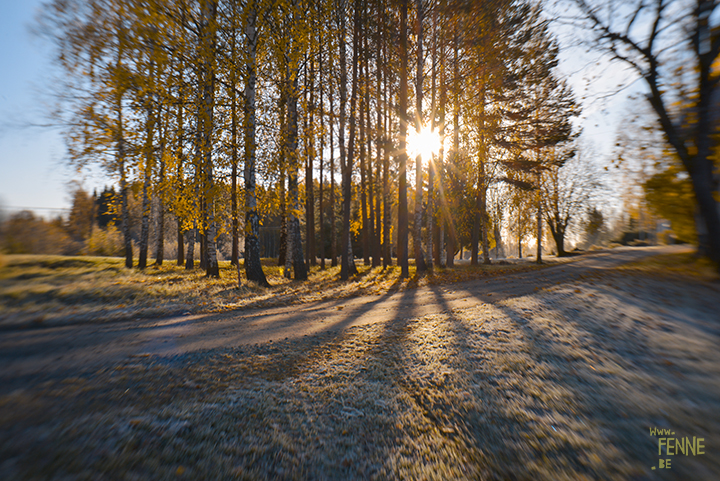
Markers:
426,142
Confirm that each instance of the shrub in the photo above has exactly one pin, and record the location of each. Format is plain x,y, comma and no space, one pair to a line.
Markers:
104,242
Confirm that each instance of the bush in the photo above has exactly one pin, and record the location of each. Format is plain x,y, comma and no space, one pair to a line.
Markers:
105,242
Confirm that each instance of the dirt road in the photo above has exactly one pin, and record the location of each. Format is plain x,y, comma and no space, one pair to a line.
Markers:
43,351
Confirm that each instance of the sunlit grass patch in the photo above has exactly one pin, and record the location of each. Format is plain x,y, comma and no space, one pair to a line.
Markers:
58,289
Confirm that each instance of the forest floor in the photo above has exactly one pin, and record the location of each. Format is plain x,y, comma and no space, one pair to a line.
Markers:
558,373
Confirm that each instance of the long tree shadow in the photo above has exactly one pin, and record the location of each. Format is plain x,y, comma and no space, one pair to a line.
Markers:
617,384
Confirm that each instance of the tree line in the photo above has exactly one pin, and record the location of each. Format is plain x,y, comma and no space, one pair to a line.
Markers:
303,110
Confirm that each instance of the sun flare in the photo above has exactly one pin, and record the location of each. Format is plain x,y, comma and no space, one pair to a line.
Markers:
426,142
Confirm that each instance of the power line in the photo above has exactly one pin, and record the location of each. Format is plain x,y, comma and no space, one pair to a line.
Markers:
12,207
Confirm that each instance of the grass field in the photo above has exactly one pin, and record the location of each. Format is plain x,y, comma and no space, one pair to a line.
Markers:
56,289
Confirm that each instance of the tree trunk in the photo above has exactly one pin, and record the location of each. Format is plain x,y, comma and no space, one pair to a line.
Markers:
474,238
499,251
377,243
180,243
347,266
283,250
145,222
208,14
120,157
430,230
456,142
309,167
402,248
387,248
235,234
294,237
417,224
160,246
485,219
321,206
363,182
519,243
190,257
127,239
370,183
442,211
149,163
179,181
333,225
559,238
538,258
253,266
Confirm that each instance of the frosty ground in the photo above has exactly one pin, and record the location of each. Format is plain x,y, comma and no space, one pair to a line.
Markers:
551,374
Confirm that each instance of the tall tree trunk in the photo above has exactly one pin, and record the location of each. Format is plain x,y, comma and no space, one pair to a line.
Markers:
147,175
347,265
145,219
363,179
149,161
253,266
179,155
538,258
294,236
309,181
333,224
235,233
442,209
430,210
483,182
283,250
321,206
452,238
160,246
402,247
370,184
387,221
127,239
377,241
417,225
207,33
120,154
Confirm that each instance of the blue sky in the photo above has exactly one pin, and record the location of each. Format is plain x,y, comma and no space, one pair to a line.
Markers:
32,173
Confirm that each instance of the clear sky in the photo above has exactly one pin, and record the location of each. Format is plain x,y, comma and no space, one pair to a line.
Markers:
33,171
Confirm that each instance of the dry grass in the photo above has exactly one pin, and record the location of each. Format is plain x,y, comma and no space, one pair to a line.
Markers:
563,384
679,265
56,289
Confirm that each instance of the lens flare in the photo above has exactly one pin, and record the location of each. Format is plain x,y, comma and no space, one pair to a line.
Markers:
425,143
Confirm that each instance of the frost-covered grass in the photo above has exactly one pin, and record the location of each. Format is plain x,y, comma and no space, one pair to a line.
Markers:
55,289
563,384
